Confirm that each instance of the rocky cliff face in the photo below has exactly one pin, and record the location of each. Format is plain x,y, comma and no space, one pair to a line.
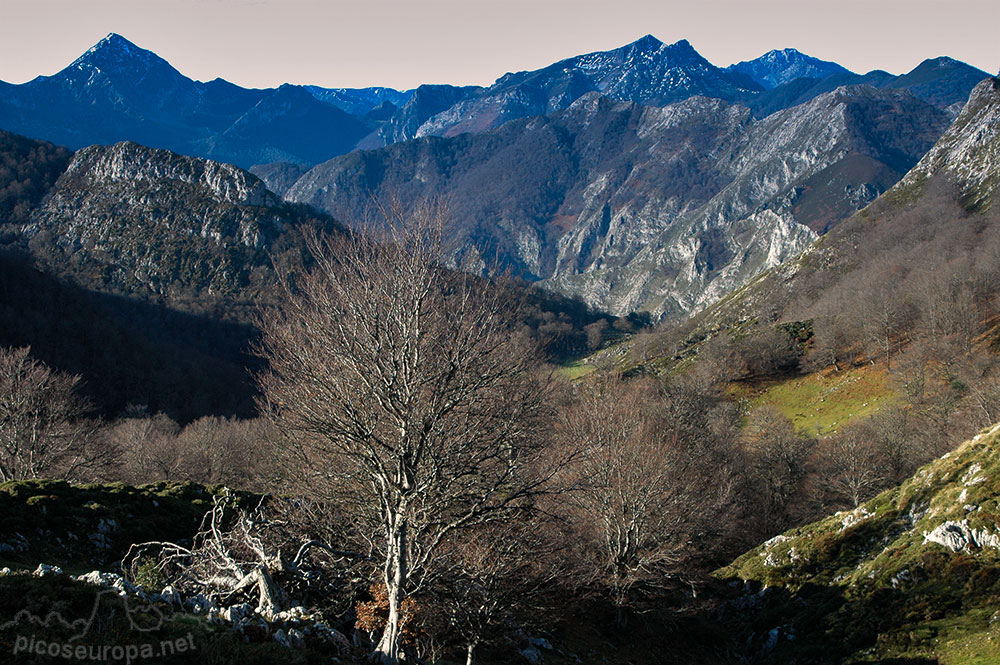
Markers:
135,165
641,208
426,102
917,227
128,218
969,152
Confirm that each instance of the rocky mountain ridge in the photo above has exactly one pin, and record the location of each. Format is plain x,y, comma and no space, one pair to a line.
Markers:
140,219
646,71
969,151
631,207
942,82
117,91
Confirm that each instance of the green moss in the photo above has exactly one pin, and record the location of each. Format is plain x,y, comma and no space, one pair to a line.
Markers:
865,586
41,499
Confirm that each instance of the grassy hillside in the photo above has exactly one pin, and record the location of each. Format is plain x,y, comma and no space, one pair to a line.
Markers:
821,402
912,576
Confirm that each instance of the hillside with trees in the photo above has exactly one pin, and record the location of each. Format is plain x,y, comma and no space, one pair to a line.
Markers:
880,340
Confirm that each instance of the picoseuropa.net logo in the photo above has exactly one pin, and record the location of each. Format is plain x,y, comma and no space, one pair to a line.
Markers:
56,636
129,653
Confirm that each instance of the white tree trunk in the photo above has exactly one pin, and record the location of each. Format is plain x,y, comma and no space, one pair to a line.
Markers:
390,646
271,598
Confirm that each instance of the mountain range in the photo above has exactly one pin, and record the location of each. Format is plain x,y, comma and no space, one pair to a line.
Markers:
641,179
118,91
934,228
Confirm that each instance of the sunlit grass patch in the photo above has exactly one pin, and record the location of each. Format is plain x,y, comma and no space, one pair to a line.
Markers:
822,402
575,370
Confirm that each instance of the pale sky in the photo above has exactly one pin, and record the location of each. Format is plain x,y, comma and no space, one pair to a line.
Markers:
402,43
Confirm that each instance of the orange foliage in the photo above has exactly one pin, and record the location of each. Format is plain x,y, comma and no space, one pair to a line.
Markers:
372,614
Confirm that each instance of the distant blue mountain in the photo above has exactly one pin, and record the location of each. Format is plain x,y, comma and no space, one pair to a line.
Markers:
360,101
117,91
781,66
647,71
943,82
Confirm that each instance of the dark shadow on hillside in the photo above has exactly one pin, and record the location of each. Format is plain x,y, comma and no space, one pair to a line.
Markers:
818,624
129,353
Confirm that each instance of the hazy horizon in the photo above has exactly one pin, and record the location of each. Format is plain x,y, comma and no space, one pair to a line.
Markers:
403,43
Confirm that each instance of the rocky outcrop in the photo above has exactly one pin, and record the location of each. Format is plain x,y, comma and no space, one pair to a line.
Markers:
957,535
968,152
918,559
130,162
130,218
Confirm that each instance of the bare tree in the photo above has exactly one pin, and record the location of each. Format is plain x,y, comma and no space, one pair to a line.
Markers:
652,486
405,392
237,554
43,429
884,313
147,445
777,457
493,577
224,451
832,337
900,452
210,450
851,469
983,402
595,333
719,360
